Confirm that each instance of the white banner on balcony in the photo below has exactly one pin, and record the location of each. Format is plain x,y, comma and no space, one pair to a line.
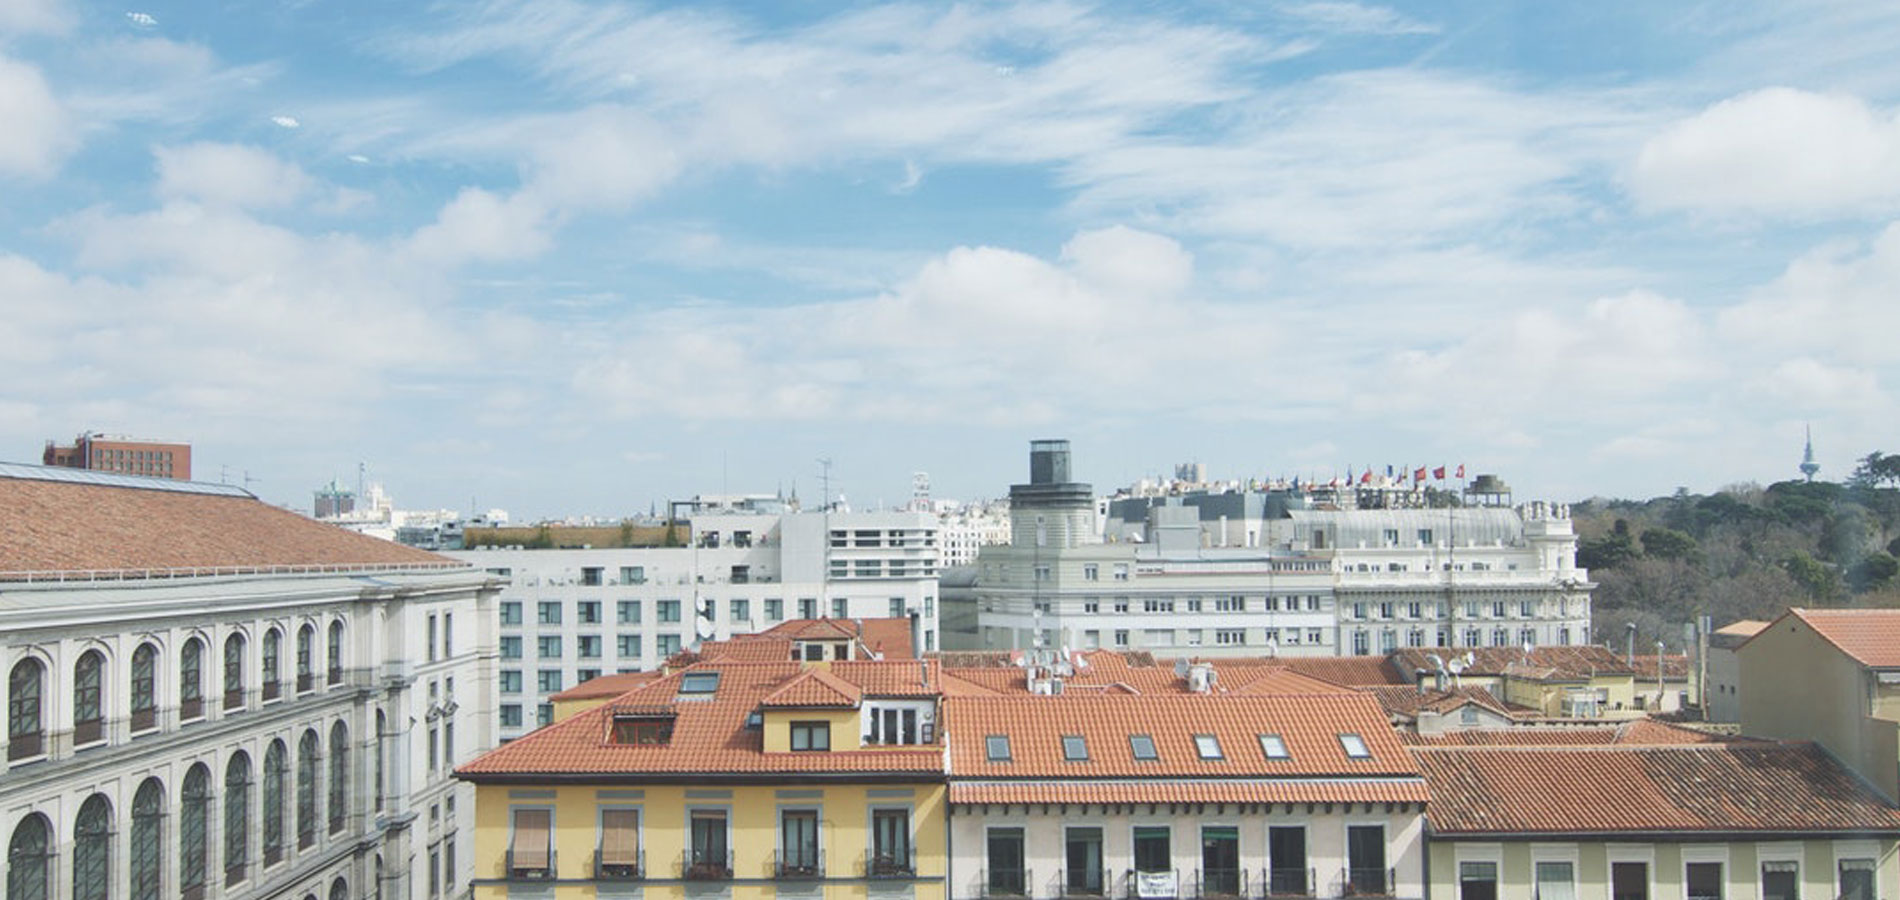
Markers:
1154,885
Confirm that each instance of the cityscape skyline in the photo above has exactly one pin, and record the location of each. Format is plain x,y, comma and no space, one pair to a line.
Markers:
582,257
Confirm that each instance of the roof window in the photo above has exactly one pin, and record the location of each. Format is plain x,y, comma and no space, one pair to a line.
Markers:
1075,748
1143,746
643,730
699,682
1274,747
997,746
1208,746
1355,746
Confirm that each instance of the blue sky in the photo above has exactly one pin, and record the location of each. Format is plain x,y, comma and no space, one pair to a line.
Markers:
569,257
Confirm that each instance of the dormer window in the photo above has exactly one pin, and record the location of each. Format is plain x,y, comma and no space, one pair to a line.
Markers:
1075,748
642,731
997,747
1208,746
1274,747
811,736
699,682
1355,746
1143,746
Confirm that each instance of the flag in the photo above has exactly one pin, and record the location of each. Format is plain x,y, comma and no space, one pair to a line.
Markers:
1461,471
1418,476
1439,473
1366,478
1388,471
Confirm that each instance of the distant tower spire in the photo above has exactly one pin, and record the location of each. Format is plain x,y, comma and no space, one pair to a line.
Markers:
1808,465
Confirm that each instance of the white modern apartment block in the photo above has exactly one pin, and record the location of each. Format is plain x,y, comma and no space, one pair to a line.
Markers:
571,615
1268,580
211,698
969,528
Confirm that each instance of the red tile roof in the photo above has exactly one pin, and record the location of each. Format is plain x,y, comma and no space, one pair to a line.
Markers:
1287,790
1674,666
888,637
1565,791
892,678
1352,671
1549,663
1870,636
1636,732
1409,702
814,688
1109,671
65,526
606,686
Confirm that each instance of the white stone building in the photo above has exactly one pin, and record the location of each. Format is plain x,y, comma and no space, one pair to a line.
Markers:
209,697
571,615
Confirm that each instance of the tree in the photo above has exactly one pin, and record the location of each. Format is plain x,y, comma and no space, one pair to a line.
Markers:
1668,543
1875,570
1876,470
1609,551
1812,575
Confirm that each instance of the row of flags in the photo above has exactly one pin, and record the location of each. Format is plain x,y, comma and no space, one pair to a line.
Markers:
1393,475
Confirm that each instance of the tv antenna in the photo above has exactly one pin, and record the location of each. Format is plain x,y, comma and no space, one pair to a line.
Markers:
824,481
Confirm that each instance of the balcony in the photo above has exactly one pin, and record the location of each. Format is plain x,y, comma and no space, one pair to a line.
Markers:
26,746
234,700
305,682
272,690
696,865
1289,882
144,719
1220,883
1011,882
528,866
1081,884
88,731
620,868
803,863
191,710
1157,885
1359,881
890,864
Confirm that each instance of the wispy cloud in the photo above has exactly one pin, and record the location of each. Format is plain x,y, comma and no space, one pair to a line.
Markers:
1356,18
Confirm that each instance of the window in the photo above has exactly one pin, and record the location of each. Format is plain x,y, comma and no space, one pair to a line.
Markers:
148,840
1273,747
530,852
808,607
1208,746
274,778
339,776
619,843
549,612
840,608
741,610
699,682
1856,880
92,849
511,612
627,646
431,638
1230,637
548,681
1152,850
1004,862
1157,604
633,574
643,731
191,704
511,681
1142,746
548,646
890,843
307,750
1780,880
588,646
627,612
996,746
511,646
1556,880
1704,880
511,715
1121,604
1220,860
335,674
666,645
1075,748
273,659
30,860
237,817
1354,745
194,817
448,635
89,717
1091,572
811,736
1121,637
234,672
1286,857
306,658
1365,859
1477,881
1121,571
588,611
709,857
1425,536
774,609
668,610
435,872
798,843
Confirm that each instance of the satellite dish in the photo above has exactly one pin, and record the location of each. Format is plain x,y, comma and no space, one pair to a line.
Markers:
704,627
1471,659
1456,667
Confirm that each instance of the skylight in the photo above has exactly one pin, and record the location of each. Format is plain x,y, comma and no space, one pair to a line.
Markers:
1143,746
1208,746
1355,746
998,747
1274,747
1075,748
699,682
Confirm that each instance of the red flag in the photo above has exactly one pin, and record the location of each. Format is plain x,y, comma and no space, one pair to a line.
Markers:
1439,473
1461,471
1419,475
1366,478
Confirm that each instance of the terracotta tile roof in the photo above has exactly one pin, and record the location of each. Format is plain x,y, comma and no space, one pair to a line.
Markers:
1309,724
68,526
745,648
892,678
1742,628
1636,732
1555,663
606,686
1409,702
709,737
1742,787
1286,790
888,637
1674,666
814,688
1104,671
1870,636
1352,671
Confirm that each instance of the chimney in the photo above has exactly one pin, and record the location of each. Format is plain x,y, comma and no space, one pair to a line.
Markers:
916,633
1418,678
923,671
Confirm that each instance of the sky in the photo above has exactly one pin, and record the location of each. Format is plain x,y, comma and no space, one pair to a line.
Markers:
579,258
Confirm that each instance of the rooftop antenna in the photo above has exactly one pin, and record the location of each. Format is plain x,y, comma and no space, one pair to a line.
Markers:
362,475
824,478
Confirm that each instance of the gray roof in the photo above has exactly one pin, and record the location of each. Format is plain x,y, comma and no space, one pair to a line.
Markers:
1353,527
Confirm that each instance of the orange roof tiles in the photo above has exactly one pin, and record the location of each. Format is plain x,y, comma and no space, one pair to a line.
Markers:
892,678
746,648
1284,790
1309,725
1742,787
1410,701
606,686
888,637
1549,663
66,526
814,688
1673,665
1870,636
1636,732
1105,670
1351,671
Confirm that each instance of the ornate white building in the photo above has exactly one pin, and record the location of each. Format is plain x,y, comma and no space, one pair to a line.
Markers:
211,698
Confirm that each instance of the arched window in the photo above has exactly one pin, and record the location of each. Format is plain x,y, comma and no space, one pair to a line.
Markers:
89,707
339,889
148,840
191,681
339,776
336,652
306,658
144,688
273,670
234,672
26,722
30,860
92,849
379,787
307,748
274,770
194,816
237,817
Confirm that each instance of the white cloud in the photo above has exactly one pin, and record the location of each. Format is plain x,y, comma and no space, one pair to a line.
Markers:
1775,152
604,157
232,174
1356,18
37,132
34,16
142,20
1836,302
480,225
286,122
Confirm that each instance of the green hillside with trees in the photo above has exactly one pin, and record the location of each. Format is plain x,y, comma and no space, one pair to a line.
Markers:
1744,552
